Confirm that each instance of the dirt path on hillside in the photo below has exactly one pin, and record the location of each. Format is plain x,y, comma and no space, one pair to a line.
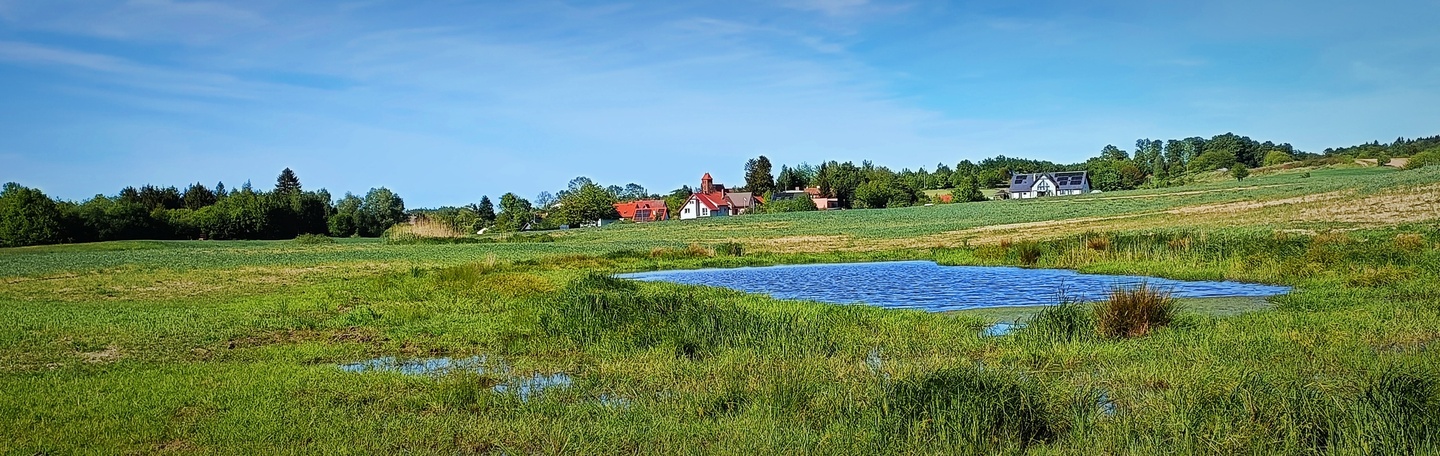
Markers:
1185,193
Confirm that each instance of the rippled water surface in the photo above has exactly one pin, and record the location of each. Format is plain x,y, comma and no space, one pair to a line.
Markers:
926,285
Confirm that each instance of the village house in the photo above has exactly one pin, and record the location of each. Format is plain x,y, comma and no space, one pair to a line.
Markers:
1035,185
821,202
713,200
643,210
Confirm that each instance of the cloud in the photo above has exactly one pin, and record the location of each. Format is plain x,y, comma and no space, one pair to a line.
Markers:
190,22
844,8
116,70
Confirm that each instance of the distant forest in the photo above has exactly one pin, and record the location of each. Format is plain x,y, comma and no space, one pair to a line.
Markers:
29,217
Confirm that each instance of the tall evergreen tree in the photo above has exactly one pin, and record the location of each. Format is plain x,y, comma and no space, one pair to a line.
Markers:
287,183
485,211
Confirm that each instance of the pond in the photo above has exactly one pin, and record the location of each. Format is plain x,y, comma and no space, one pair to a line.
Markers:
929,286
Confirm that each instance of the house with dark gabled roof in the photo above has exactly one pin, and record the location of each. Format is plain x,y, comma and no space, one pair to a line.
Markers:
1035,185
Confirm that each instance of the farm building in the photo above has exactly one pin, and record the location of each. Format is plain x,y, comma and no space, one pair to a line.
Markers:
713,200
643,210
1025,186
821,202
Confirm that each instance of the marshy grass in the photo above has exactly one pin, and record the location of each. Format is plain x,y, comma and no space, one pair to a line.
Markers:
1134,311
1345,364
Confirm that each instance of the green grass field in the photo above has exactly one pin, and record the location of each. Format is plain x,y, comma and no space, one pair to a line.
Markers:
235,347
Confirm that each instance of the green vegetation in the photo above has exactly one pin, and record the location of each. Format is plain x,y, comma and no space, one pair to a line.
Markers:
234,346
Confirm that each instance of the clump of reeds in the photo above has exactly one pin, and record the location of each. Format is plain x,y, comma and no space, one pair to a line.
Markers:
730,249
691,251
1006,243
1400,408
1066,322
1097,243
424,227
1134,311
1180,243
1028,252
1370,276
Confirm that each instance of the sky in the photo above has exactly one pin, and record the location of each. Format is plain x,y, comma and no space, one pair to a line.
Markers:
443,101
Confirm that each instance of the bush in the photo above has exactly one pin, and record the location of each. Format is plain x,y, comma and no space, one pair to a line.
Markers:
1427,158
1134,312
314,239
1277,157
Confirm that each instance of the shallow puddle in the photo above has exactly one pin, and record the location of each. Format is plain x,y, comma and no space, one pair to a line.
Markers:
1001,329
431,366
524,387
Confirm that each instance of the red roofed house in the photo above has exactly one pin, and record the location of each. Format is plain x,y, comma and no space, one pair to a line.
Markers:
714,201
643,210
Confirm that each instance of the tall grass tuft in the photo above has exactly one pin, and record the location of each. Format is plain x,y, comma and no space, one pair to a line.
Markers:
1068,321
1028,252
1410,242
1097,242
1401,410
730,249
973,407
1134,312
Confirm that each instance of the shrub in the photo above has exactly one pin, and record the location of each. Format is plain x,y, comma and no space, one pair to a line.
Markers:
314,239
1134,312
1277,157
1427,158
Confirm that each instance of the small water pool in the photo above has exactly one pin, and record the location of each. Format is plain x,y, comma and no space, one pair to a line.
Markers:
929,286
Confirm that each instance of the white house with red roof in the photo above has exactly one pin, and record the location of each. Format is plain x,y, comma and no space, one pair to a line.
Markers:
710,201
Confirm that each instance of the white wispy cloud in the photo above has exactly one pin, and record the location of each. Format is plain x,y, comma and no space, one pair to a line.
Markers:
190,22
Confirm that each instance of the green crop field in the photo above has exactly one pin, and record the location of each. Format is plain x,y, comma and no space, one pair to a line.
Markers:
236,347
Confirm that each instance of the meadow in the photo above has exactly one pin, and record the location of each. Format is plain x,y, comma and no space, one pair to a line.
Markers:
212,347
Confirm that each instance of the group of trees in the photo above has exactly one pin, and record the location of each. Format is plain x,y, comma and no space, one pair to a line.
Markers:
1153,163
29,217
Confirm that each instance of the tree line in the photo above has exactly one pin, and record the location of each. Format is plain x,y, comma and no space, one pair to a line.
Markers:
29,217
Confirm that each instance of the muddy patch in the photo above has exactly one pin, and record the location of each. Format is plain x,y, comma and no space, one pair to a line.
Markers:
108,355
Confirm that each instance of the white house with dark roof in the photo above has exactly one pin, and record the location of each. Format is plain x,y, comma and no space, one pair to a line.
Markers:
1035,185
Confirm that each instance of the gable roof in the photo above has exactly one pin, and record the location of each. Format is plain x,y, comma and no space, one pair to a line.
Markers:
1066,180
712,200
743,200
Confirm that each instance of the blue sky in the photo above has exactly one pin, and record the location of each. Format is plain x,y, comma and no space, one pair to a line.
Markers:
444,101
